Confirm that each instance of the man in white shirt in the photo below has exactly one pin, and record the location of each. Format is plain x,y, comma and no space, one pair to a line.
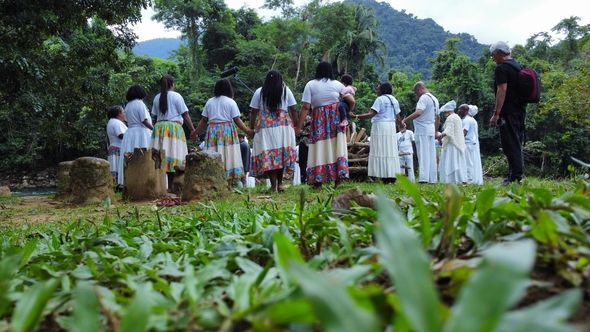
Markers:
426,123
405,146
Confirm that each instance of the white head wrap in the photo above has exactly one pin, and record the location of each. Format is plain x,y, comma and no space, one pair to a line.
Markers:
473,110
448,107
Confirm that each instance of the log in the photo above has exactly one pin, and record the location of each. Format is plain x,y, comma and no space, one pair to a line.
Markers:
358,145
358,169
362,150
353,138
361,135
347,134
359,160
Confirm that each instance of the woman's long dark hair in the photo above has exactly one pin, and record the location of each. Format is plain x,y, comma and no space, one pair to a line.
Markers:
223,88
166,83
272,90
324,71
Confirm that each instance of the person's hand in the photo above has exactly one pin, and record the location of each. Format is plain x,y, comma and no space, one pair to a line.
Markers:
251,133
193,134
494,121
297,131
403,126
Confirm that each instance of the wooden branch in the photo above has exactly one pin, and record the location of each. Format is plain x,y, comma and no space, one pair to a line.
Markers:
358,145
361,135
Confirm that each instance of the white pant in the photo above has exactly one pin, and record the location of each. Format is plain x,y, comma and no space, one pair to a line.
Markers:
426,153
407,166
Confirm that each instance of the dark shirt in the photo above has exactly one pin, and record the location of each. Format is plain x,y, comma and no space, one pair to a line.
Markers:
505,73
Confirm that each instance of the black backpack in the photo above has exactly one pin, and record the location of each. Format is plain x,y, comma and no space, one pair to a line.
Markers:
529,83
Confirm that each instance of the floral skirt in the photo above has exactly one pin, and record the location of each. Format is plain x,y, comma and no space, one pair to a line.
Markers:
169,137
222,137
274,144
328,154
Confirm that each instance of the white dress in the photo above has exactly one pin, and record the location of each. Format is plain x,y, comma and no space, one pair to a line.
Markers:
138,135
383,151
452,159
472,154
115,127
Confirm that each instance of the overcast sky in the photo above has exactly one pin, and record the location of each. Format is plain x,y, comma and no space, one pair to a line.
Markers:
512,21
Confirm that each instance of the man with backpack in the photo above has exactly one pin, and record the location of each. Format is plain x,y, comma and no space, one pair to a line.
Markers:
510,109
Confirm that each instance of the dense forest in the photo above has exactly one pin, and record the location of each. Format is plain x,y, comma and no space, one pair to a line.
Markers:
65,63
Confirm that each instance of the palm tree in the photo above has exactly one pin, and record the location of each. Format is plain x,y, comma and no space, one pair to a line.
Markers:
361,41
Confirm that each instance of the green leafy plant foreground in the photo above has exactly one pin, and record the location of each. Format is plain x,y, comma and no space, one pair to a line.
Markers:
495,260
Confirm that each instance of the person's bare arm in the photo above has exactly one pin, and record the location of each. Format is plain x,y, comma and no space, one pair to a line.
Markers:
436,122
367,115
349,99
148,124
293,115
413,116
243,127
189,122
253,116
302,114
201,126
500,99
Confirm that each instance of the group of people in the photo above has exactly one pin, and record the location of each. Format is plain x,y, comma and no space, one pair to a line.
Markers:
315,137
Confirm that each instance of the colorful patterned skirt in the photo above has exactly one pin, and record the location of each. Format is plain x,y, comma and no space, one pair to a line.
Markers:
169,137
328,155
115,161
274,143
222,137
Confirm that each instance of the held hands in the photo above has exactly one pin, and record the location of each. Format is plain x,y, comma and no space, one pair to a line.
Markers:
193,134
494,121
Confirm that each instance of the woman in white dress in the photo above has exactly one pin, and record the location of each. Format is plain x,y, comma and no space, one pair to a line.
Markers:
116,129
472,154
383,154
139,121
452,157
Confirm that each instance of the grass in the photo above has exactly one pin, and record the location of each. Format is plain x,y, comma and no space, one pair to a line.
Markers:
248,260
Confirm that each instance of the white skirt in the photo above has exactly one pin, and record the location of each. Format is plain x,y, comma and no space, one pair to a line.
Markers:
473,162
383,153
452,165
115,164
135,137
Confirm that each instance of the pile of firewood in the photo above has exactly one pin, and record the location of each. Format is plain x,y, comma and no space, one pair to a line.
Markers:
358,151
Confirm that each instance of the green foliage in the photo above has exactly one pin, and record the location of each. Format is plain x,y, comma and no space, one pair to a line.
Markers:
294,264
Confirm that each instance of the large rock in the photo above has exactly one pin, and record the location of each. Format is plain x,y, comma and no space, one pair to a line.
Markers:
64,190
90,180
142,180
5,191
204,176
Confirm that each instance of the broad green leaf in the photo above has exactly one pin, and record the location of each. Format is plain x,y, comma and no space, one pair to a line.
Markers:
409,266
290,311
86,310
411,189
484,204
8,268
493,287
136,315
285,252
29,308
546,316
27,252
545,230
332,303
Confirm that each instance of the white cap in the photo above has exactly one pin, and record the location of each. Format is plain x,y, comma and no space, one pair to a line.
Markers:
472,110
448,107
500,46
